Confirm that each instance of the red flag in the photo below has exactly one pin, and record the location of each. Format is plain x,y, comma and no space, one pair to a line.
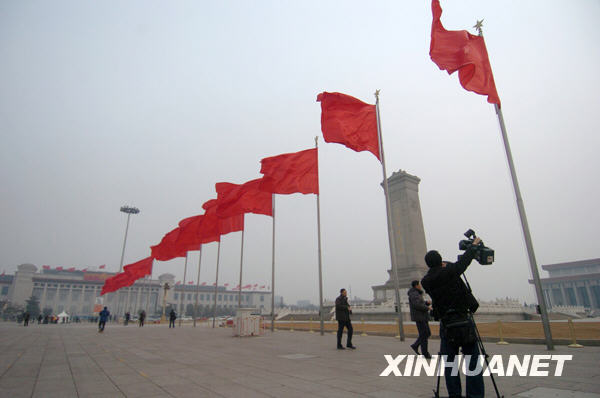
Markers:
203,284
59,268
214,284
139,269
45,266
227,284
102,266
263,286
348,121
72,269
85,269
246,287
167,249
178,283
190,282
291,173
234,199
225,225
116,282
454,50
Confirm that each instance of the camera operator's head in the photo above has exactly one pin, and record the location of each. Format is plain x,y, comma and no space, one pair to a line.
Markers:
433,259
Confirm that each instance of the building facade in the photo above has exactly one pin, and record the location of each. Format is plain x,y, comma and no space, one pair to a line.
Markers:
574,283
78,293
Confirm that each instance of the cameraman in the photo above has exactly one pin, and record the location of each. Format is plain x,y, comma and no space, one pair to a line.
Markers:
453,304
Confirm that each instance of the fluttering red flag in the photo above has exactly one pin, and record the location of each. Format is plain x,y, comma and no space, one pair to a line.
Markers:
203,284
130,274
45,267
167,248
102,266
234,199
454,50
224,225
59,268
139,269
296,172
349,121
190,282
72,269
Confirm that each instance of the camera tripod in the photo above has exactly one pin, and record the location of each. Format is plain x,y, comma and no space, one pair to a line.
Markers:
436,392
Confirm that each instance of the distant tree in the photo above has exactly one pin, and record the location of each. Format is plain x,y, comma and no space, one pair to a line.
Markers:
33,307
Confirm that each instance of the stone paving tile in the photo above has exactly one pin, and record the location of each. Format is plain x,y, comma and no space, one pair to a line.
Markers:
189,362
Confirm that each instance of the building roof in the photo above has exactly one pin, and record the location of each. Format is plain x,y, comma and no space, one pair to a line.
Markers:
569,278
571,264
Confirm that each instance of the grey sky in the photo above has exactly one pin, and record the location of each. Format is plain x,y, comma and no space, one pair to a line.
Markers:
151,103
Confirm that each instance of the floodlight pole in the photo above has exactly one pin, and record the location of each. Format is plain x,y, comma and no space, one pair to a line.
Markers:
129,210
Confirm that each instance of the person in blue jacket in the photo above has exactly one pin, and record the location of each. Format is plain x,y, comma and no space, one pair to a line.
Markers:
104,314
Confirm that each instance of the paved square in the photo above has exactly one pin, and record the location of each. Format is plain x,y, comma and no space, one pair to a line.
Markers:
154,361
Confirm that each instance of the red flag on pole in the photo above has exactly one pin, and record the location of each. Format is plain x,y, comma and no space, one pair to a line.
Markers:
234,199
348,121
203,284
190,282
225,225
102,266
454,50
45,267
291,173
59,268
139,269
72,269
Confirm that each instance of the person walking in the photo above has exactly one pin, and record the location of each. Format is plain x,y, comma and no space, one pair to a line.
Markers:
127,318
172,317
142,317
104,314
342,314
419,313
40,319
26,319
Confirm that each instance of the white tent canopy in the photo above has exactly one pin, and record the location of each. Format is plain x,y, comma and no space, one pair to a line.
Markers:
63,317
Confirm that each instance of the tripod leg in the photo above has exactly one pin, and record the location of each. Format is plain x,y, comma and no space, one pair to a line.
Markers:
436,392
485,356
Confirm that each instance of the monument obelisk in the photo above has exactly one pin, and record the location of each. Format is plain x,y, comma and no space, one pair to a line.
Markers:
410,236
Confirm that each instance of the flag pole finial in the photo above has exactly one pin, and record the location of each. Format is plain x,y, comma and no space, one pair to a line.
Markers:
377,95
316,140
478,26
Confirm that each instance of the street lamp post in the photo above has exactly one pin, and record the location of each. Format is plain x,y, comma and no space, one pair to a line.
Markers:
129,210
166,288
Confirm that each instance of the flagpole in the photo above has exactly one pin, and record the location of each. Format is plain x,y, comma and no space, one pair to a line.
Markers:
241,263
272,269
321,315
391,232
216,284
197,284
181,294
526,234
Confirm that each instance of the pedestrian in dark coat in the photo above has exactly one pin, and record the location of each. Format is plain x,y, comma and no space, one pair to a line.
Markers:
342,314
104,314
26,319
172,317
142,317
419,312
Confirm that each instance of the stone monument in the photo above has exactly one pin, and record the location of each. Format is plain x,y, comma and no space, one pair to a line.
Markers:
407,222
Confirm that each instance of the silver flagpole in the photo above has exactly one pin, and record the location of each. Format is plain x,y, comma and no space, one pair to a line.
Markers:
241,265
528,243
121,268
197,284
182,293
321,315
216,284
272,269
391,232
524,225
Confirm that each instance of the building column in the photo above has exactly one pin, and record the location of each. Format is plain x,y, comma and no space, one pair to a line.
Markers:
589,293
564,295
137,300
69,300
43,299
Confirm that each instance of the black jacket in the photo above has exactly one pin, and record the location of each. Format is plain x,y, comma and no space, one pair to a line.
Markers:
172,315
419,311
342,313
447,290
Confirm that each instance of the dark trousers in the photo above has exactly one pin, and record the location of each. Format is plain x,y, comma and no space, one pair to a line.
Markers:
340,331
475,388
171,323
141,322
26,323
101,325
424,333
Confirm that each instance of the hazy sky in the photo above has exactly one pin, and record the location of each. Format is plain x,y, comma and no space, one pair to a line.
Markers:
150,103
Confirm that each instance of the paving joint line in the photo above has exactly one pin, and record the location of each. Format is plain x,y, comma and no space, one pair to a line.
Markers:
37,376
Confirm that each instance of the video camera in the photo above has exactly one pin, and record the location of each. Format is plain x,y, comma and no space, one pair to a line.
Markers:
484,255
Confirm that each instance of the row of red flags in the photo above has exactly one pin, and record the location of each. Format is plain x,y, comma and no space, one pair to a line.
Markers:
249,286
344,120
70,269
